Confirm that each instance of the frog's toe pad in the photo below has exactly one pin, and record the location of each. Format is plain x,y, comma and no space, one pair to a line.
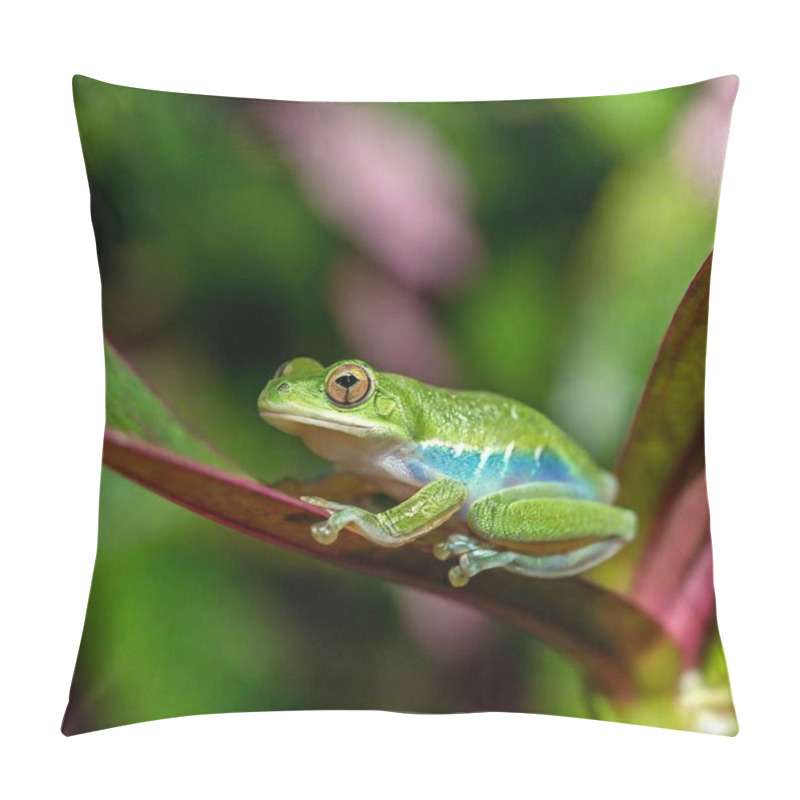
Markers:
324,532
442,551
458,577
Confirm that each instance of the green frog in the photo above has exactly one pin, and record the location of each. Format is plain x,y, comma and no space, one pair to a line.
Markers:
529,498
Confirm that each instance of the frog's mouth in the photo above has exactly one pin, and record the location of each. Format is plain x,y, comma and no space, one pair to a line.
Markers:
294,423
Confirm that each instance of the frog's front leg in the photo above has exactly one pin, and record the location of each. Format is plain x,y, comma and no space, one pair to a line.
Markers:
422,512
539,530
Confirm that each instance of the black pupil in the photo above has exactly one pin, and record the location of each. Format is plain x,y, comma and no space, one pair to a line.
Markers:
347,380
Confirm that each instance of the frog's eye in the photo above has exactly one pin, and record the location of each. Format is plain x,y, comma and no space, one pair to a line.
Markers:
348,385
281,371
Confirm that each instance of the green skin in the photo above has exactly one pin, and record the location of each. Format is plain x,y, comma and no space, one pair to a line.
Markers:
530,499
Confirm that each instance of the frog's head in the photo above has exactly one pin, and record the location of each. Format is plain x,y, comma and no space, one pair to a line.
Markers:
329,406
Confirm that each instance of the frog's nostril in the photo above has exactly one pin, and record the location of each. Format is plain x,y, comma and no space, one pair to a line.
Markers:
283,387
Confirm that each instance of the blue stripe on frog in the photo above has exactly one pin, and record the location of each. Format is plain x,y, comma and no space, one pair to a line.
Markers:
484,473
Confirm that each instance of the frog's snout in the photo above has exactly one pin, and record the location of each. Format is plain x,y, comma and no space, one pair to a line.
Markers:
265,399
274,396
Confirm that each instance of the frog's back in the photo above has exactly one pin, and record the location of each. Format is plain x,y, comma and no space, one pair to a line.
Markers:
490,442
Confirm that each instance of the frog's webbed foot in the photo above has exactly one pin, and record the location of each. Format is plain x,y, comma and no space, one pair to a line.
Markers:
422,512
475,555
327,531
477,560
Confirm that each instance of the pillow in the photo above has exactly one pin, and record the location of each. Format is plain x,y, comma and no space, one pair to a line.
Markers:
476,332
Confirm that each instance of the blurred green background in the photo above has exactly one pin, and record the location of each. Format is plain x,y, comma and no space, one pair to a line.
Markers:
533,248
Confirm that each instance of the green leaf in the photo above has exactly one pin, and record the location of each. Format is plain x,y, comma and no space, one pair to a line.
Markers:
624,653
131,408
667,571
664,449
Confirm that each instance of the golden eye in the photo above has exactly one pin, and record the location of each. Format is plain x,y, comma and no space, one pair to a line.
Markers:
281,371
348,385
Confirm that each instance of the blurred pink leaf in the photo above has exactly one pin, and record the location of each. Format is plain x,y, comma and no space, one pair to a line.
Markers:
449,631
701,136
389,324
386,181
675,582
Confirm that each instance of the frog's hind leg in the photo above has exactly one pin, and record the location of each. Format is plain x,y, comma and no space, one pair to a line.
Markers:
563,565
578,533
555,565
457,544
559,565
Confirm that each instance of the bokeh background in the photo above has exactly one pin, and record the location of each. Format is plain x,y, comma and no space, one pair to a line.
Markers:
533,248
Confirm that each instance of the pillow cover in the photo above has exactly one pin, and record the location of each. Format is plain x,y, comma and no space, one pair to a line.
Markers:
383,542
